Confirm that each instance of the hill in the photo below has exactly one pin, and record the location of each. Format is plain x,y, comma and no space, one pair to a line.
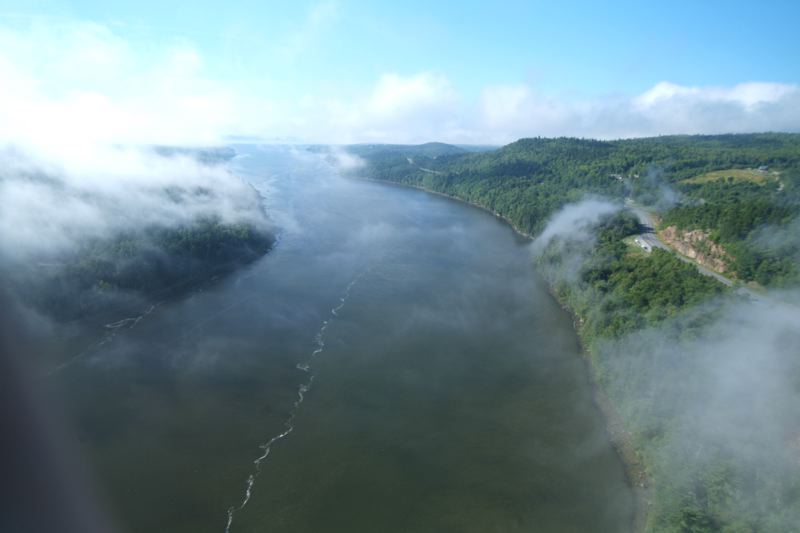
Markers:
155,223
528,180
104,276
659,334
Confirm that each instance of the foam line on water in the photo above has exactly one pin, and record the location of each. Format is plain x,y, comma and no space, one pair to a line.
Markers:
129,323
302,389
113,328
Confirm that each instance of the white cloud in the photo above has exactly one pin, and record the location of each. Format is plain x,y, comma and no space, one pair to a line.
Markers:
510,112
48,207
747,95
395,95
395,109
73,87
75,101
519,108
66,88
405,108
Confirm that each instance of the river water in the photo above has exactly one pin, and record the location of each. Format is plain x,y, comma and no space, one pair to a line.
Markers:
393,365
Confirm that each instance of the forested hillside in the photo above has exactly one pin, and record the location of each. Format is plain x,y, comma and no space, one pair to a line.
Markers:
530,179
652,324
155,262
106,244
755,223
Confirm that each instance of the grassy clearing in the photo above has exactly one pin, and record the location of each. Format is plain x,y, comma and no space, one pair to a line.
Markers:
633,248
736,174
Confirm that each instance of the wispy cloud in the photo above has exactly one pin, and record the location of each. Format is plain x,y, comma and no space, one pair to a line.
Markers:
517,111
75,83
80,84
80,108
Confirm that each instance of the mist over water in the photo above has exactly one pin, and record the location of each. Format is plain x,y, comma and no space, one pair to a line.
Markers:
400,345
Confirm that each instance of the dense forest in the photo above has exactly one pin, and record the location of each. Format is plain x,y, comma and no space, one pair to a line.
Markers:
527,181
154,262
642,315
619,289
149,237
207,156
647,321
754,222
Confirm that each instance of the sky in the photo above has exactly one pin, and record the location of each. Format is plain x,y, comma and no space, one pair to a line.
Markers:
339,71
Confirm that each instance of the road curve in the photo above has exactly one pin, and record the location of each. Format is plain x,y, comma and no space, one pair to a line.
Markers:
649,236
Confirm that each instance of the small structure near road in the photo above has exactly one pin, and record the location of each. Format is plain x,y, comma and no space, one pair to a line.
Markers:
643,245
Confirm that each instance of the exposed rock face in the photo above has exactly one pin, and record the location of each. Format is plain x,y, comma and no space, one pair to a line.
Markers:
696,245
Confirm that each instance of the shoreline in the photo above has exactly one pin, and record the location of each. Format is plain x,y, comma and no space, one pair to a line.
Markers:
620,439
456,198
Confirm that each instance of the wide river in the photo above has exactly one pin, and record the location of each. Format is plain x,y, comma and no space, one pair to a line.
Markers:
393,365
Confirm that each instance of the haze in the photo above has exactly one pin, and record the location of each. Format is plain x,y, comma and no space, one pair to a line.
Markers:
210,234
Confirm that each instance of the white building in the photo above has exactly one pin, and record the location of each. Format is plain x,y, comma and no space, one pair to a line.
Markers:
643,245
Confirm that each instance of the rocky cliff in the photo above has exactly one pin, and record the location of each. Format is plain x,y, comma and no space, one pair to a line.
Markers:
697,245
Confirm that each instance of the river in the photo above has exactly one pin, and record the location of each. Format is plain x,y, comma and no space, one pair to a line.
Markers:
394,364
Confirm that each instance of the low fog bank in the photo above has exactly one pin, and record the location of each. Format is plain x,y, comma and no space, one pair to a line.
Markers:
339,157
570,235
653,190
115,222
713,400
708,390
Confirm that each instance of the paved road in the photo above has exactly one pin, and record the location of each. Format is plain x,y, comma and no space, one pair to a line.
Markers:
428,170
649,236
646,220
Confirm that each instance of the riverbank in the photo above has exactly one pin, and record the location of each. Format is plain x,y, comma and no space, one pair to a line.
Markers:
420,417
516,229
620,439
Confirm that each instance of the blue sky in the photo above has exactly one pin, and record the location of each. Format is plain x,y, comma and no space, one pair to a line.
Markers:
459,71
